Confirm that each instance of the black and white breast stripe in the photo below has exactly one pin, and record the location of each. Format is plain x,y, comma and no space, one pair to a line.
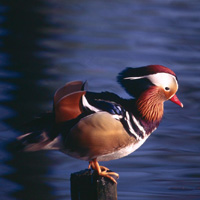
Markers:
128,120
134,126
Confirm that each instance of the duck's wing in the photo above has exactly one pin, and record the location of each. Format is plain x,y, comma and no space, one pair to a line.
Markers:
69,88
72,100
105,101
67,101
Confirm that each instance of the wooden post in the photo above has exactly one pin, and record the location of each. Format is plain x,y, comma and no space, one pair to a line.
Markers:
88,185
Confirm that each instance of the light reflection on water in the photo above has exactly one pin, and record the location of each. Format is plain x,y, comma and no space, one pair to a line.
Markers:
47,43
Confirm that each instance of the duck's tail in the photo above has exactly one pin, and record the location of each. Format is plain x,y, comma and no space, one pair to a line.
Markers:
41,134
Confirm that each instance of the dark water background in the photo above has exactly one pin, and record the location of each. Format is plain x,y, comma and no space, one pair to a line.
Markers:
45,43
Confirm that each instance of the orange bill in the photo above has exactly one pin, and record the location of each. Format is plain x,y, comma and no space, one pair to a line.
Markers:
175,100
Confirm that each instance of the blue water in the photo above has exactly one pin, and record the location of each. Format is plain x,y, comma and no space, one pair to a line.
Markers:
44,44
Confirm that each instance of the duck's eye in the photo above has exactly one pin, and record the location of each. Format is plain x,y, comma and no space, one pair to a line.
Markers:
167,88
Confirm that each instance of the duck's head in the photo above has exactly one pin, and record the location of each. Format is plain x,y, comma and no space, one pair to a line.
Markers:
151,85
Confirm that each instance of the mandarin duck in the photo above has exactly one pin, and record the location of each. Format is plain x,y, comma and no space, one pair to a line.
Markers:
103,126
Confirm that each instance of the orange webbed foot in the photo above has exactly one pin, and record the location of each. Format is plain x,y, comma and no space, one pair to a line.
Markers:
102,171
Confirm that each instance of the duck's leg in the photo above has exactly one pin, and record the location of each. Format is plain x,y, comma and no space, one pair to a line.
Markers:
102,171
92,165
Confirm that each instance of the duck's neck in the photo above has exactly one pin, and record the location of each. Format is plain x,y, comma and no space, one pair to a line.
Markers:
150,105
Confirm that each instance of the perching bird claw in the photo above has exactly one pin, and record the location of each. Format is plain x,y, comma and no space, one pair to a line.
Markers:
102,171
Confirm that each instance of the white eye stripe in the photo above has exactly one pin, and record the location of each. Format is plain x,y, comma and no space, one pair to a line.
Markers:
159,79
135,78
